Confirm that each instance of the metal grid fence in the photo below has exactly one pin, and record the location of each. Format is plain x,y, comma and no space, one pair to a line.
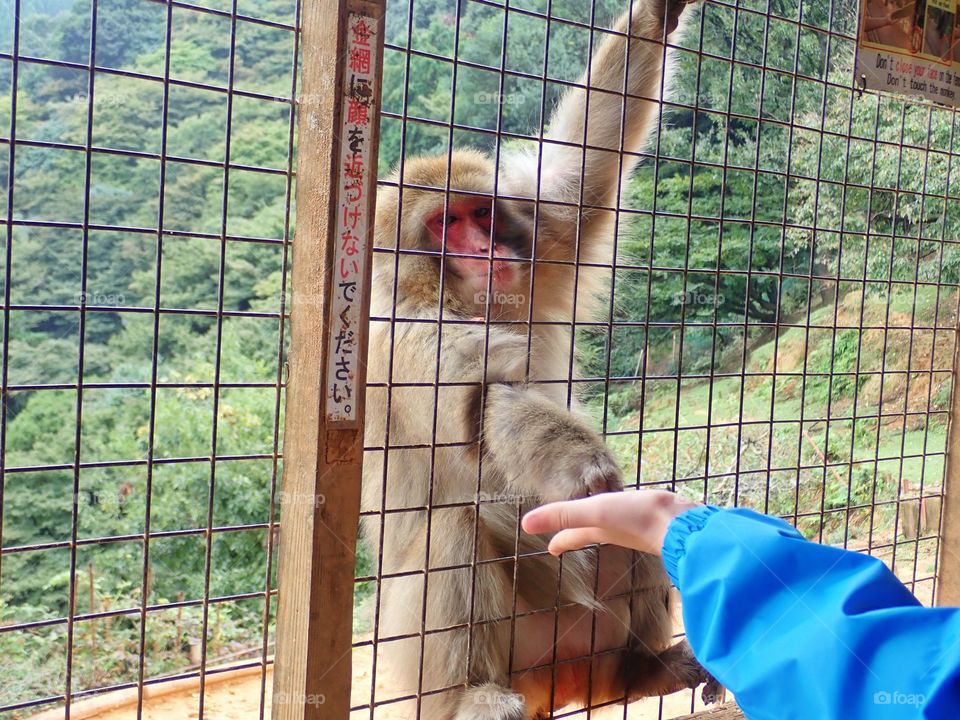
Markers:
143,340
780,330
781,324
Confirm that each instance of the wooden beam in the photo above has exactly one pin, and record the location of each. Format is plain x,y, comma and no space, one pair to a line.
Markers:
342,51
729,711
948,564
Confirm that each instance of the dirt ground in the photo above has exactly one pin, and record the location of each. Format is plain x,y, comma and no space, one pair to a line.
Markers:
238,698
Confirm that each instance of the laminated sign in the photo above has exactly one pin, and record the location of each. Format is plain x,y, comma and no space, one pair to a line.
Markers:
911,48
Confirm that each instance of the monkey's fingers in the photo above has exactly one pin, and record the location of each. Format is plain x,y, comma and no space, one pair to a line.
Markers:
672,11
602,475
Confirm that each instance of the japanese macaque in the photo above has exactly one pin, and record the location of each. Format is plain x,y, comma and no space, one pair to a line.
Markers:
469,391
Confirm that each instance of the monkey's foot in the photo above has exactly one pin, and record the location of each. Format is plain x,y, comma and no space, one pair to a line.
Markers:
713,691
672,670
490,702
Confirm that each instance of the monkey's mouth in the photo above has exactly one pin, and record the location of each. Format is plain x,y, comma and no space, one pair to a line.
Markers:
501,272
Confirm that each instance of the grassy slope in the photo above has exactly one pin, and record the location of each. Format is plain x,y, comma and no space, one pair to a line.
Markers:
785,419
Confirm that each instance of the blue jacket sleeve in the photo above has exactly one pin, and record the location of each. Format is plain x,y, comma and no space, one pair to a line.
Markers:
800,630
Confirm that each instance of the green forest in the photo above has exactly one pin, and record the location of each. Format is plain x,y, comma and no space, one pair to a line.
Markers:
129,270
761,165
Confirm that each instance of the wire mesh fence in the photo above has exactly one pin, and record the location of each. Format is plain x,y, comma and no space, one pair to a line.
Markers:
776,330
147,171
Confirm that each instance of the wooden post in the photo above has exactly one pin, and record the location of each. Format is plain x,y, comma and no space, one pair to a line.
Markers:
342,44
730,711
948,564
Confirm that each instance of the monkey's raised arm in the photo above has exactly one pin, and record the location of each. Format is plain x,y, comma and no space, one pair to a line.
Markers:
616,95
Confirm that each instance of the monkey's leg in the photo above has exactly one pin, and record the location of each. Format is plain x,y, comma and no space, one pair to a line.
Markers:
542,449
466,649
674,669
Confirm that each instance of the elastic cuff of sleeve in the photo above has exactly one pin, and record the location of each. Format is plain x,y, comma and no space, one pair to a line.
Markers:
679,531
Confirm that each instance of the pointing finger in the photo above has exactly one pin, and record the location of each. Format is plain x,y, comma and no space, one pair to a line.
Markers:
567,540
588,512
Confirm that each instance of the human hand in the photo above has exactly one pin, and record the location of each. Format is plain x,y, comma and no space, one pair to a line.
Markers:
634,519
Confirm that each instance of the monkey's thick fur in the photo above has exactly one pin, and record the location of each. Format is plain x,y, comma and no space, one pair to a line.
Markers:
490,621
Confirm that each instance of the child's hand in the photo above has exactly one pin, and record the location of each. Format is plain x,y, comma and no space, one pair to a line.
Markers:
633,519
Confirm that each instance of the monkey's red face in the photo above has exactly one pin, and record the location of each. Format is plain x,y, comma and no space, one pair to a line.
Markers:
467,229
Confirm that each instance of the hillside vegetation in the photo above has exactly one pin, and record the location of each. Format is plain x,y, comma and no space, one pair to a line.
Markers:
771,418
124,272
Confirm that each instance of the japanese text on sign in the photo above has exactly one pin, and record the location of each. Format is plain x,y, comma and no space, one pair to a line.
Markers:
353,204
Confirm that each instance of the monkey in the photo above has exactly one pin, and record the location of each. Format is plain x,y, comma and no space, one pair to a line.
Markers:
480,270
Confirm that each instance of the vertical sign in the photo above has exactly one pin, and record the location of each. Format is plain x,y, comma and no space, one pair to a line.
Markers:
354,195
911,47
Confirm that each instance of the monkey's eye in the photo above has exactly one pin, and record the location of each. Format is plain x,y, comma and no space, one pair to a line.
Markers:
481,212
451,219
